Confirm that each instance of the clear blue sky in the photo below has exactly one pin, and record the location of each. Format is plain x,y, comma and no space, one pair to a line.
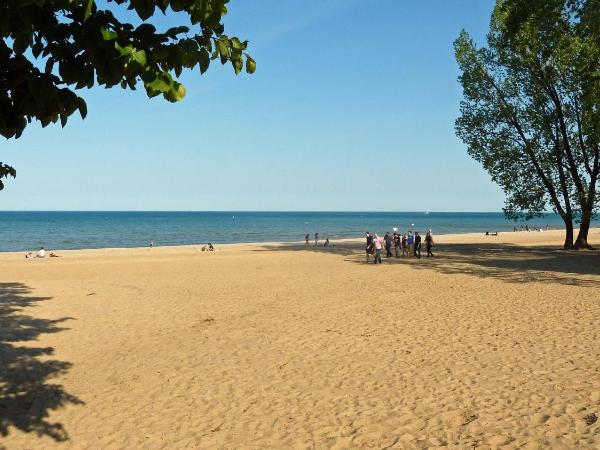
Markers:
352,107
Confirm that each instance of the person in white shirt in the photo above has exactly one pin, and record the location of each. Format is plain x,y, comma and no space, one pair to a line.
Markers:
41,253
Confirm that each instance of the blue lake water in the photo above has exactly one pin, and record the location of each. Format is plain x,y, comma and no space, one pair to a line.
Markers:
77,230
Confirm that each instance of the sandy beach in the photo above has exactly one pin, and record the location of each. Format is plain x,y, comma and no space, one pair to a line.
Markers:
491,344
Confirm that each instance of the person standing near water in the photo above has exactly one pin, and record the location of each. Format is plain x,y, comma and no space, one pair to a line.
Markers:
417,244
306,239
397,243
316,239
410,242
388,244
404,245
429,243
378,247
369,247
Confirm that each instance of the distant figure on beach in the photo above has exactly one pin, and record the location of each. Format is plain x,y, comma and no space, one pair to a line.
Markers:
326,244
410,242
370,249
417,244
378,247
28,255
306,238
404,245
151,244
388,244
316,239
210,247
526,227
429,243
41,253
397,243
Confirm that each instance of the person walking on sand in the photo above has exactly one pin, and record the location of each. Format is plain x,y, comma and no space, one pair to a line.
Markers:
417,244
316,239
429,243
306,238
388,244
378,247
410,242
404,245
369,248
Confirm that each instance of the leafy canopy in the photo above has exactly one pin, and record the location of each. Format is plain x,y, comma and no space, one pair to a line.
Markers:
51,48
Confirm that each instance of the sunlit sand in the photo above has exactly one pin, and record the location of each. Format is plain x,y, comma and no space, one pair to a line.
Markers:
494,342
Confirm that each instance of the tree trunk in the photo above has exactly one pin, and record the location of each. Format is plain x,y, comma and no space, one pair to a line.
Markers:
584,228
587,211
568,219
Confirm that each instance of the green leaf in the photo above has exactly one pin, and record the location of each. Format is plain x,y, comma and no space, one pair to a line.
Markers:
238,64
223,51
146,29
144,8
180,91
162,83
124,51
88,9
108,35
176,94
235,43
81,105
139,57
204,60
250,65
173,32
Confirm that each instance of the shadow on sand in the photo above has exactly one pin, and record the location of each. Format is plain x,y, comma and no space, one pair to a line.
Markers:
26,396
505,262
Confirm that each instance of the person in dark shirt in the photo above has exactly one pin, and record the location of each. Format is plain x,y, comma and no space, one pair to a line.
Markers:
404,246
306,239
429,244
417,244
369,248
388,245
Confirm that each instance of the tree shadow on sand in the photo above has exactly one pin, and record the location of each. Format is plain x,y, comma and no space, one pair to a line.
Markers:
509,263
26,396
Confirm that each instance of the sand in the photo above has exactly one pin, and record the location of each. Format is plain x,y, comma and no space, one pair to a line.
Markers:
493,343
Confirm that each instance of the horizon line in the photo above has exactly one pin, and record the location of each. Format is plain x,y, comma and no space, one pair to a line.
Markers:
257,211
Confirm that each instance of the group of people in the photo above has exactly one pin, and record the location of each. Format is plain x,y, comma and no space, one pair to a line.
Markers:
307,240
533,228
40,254
407,244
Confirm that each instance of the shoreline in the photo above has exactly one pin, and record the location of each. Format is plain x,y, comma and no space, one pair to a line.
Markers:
448,238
